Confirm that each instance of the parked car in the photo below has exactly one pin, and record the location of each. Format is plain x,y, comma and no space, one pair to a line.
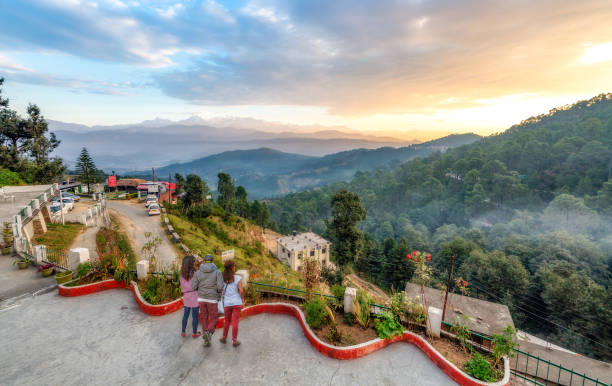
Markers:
55,208
150,201
68,203
70,195
154,209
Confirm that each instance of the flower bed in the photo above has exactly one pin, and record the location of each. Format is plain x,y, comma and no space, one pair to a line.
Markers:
156,309
359,350
86,289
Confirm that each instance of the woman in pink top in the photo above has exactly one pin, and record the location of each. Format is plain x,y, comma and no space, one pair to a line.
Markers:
190,297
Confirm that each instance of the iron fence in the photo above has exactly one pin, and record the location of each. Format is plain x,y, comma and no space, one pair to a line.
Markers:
549,372
58,258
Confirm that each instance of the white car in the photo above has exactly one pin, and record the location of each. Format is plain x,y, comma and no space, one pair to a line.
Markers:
150,201
68,203
154,209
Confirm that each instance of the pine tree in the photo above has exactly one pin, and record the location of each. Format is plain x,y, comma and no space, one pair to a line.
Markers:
86,168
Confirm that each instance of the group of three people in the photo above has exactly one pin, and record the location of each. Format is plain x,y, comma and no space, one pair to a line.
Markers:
203,289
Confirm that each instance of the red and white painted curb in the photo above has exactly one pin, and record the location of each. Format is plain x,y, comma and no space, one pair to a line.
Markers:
349,352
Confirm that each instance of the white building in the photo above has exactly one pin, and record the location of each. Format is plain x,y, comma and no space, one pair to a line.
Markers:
293,249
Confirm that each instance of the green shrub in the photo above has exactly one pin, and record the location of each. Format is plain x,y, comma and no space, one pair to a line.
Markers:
480,368
199,211
388,326
362,308
316,313
503,344
338,290
397,303
83,269
462,332
8,177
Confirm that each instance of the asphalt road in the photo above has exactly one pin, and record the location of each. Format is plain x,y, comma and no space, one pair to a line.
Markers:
105,338
136,222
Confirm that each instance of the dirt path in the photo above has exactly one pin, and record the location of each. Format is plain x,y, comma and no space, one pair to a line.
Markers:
87,239
378,294
135,222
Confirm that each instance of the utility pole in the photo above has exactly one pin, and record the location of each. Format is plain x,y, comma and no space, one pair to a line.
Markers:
153,174
450,275
62,206
169,190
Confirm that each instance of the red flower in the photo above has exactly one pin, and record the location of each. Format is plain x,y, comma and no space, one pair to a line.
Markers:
408,256
464,283
414,253
428,257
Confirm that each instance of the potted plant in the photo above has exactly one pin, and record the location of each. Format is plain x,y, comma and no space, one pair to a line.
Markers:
7,238
46,269
23,263
63,277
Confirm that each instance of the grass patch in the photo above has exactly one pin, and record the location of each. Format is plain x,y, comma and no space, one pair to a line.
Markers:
59,237
212,236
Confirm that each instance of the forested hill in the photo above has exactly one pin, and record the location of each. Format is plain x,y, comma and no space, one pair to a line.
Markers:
565,151
526,214
265,172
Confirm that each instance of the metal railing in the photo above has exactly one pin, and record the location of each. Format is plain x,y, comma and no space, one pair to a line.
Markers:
58,258
292,290
549,372
560,375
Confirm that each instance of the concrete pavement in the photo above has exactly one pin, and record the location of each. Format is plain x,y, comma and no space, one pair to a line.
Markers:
16,282
104,338
135,222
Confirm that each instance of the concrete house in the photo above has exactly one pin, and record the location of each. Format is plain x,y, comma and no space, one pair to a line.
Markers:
293,249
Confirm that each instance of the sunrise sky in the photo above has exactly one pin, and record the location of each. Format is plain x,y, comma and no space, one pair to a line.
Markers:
412,69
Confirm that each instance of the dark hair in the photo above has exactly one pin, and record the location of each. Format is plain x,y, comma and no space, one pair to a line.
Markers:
187,269
228,274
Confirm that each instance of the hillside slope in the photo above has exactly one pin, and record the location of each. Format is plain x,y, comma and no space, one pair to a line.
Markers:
265,172
567,150
212,236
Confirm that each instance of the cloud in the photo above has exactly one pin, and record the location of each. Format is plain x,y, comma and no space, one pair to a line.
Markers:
353,58
396,57
8,65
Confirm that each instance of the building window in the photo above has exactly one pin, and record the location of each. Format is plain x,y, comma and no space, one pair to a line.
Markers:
300,255
324,250
311,253
288,254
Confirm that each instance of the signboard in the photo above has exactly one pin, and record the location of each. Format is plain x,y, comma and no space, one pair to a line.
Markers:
112,181
227,255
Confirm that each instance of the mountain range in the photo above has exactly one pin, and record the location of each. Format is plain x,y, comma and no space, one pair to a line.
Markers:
266,172
158,142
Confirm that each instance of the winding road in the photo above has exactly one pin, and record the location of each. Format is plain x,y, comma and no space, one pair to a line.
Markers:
135,222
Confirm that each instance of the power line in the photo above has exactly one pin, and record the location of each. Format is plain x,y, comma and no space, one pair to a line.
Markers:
551,322
534,306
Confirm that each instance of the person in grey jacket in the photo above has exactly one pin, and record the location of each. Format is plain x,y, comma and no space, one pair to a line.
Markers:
208,281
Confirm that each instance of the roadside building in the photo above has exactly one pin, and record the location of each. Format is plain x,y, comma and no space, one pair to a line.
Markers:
483,317
129,185
295,248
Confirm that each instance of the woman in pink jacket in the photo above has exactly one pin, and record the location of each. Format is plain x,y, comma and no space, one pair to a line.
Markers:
190,297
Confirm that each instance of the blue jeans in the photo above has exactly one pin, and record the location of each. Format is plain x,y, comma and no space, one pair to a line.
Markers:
194,318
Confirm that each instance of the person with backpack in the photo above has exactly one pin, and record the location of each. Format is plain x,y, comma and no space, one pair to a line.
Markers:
208,281
190,297
232,301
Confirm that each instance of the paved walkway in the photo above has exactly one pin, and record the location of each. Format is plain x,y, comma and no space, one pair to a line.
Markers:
16,282
87,239
135,222
104,338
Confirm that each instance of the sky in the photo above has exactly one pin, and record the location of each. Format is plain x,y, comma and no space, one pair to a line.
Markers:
411,68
